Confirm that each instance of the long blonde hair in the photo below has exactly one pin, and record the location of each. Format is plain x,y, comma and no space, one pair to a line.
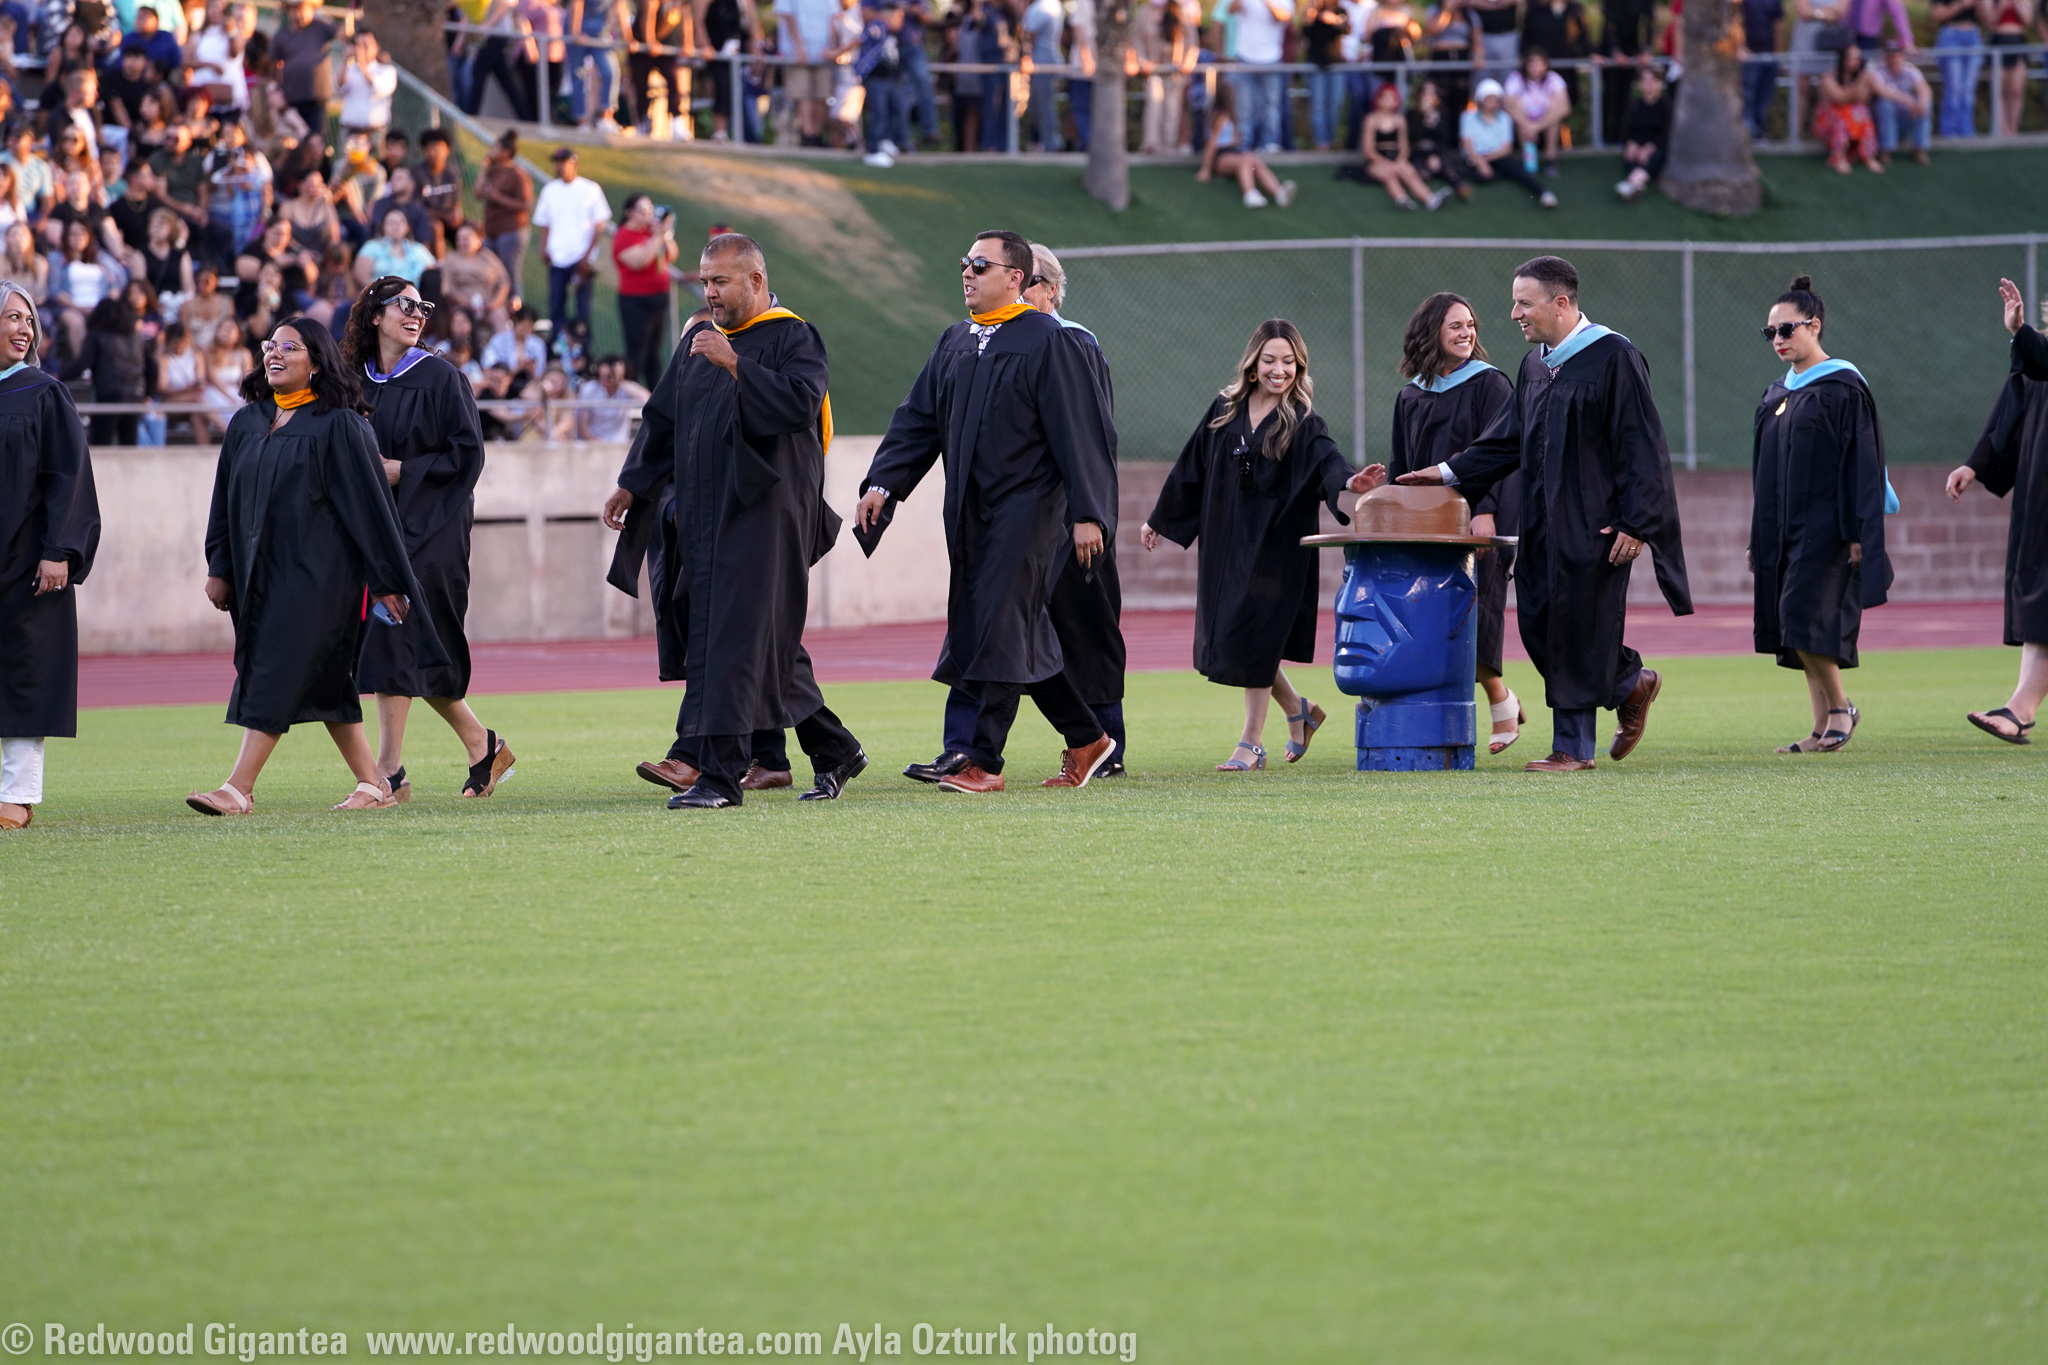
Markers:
1295,404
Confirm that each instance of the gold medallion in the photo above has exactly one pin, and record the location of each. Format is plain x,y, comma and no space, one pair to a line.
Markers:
1782,402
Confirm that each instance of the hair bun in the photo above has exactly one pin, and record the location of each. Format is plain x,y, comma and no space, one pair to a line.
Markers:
1804,282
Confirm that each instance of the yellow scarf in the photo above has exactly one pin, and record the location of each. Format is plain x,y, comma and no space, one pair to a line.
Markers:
288,401
825,412
1002,315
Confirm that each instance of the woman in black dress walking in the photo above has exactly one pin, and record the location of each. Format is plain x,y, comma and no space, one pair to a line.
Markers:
1246,485
1816,535
1451,395
301,522
49,528
432,448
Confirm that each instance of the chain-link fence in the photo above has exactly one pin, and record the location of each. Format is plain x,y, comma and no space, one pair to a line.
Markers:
1918,317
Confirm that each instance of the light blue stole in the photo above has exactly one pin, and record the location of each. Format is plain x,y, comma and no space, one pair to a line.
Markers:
1444,383
1832,365
12,370
1577,342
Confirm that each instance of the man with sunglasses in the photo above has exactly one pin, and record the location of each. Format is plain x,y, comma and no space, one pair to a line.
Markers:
1597,490
1009,400
737,430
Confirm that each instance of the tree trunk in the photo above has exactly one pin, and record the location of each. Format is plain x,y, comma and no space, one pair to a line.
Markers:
1108,176
1710,169
410,31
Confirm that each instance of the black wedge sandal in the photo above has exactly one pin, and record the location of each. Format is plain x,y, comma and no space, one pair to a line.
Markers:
494,767
2019,735
401,786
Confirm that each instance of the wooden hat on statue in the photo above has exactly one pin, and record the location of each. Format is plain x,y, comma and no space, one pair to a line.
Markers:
1410,514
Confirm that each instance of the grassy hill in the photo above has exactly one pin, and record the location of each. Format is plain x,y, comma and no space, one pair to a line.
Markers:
870,257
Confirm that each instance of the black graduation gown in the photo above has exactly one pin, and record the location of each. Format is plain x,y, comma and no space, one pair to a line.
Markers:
1429,428
302,522
1590,446
1818,470
2012,457
426,419
48,510
1256,590
1029,448
728,478
1087,605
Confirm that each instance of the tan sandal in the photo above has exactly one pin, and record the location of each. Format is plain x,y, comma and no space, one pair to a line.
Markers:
28,815
223,800
369,796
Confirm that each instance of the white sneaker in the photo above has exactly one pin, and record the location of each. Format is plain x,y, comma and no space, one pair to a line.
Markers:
1548,200
889,148
1286,194
1624,191
1254,200
879,160
1436,201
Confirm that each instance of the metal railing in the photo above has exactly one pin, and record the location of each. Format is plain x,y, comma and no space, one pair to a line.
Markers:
1791,69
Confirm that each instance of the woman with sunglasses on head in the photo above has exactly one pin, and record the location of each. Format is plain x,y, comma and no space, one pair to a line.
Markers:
1246,485
49,528
302,539
1816,534
1451,395
432,444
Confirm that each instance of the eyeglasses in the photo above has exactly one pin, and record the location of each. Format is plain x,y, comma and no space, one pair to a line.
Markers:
1783,331
282,347
413,308
981,265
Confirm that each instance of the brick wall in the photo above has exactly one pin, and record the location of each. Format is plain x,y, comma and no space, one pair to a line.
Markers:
1940,551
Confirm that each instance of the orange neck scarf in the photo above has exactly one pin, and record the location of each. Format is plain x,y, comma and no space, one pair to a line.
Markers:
1002,315
825,411
288,401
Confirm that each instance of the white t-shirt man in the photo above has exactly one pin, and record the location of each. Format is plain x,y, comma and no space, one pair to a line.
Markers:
609,424
813,22
1259,33
572,211
366,100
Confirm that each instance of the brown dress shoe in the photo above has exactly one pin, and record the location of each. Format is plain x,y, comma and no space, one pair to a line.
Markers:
760,779
1559,762
672,773
1078,765
972,780
1634,714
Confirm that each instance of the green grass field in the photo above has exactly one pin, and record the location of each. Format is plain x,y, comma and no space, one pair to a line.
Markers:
1709,1056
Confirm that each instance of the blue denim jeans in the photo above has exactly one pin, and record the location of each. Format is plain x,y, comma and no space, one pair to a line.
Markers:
888,120
607,63
1959,81
1358,95
1325,105
1759,85
1081,104
1260,95
1045,113
917,88
1894,123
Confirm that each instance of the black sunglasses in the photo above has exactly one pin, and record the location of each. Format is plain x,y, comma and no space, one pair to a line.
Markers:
1783,331
981,265
413,308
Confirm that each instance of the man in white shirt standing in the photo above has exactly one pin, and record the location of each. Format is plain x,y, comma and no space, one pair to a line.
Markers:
610,386
367,84
807,37
573,218
1356,46
1261,95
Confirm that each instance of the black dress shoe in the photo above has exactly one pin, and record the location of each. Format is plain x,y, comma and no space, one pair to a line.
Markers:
831,784
944,766
701,797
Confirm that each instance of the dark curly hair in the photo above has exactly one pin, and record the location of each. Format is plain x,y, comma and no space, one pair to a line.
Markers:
1801,296
334,383
1422,351
359,338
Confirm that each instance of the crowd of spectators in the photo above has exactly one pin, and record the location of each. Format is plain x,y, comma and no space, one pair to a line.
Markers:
859,74
182,179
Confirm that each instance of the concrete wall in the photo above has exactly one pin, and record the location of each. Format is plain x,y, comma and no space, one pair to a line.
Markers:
540,552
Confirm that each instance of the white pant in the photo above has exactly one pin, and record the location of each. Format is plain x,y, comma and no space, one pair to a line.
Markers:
21,771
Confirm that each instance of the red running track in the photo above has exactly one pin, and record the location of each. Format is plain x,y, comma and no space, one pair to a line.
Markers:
1158,641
